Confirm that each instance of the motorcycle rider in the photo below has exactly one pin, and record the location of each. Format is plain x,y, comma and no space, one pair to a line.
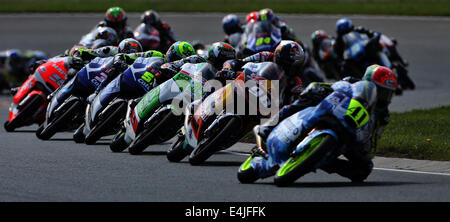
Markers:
99,37
327,60
345,25
150,19
115,18
16,65
289,55
233,29
359,153
177,50
218,54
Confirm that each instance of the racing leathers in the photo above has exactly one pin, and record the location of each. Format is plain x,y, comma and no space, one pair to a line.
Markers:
359,153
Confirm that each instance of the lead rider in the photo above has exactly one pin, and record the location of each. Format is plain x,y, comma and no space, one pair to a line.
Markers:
358,166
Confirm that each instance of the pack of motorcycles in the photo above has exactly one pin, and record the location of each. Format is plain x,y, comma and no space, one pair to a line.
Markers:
139,113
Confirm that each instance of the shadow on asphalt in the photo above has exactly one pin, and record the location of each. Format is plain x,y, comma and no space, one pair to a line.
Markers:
152,153
344,184
23,131
218,163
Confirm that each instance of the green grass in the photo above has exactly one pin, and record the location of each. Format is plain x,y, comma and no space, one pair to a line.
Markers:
419,134
383,7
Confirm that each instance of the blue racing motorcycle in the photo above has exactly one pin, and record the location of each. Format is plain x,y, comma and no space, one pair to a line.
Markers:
107,110
303,142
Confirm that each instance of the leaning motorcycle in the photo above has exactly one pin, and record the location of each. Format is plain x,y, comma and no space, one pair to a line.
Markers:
317,134
154,119
215,125
258,36
107,111
65,111
30,101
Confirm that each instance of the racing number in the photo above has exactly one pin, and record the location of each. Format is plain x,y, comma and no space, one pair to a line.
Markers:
148,77
262,40
357,113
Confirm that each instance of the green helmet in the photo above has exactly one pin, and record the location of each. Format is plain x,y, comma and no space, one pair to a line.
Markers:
116,18
179,50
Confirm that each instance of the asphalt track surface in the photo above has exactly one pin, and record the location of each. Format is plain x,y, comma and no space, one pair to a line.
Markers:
60,170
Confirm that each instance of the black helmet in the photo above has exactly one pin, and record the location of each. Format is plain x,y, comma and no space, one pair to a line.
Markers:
129,45
219,52
150,17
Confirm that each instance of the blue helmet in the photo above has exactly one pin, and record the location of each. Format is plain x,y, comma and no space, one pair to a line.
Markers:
231,24
344,25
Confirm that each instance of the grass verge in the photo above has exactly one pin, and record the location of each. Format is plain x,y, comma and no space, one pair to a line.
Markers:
370,7
418,134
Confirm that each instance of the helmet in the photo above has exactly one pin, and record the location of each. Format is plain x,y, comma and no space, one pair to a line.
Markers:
116,18
129,45
318,35
344,25
289,54
231,24
219,52
150,17
252,17
14,55
179,50
266,14
75,50
384,79
108,34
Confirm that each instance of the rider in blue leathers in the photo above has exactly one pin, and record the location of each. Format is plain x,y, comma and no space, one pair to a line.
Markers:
265,161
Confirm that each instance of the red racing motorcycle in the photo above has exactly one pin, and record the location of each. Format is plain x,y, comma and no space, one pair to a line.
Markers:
30,101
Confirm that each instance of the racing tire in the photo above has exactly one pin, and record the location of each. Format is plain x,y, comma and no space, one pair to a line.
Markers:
246,173
178,150
98,131
118,143
78,135
304,162
211,145
55,126
153,135
26,112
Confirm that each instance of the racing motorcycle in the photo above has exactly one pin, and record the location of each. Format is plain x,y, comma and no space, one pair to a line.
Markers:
318,134
65,110
361,52
327,59
148,36
30,101
398,65
154,119
108,109
258,36
215,126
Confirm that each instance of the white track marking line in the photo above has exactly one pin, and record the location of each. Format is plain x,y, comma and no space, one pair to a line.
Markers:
412,171
375,168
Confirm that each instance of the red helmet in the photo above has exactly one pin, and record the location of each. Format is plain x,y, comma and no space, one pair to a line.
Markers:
252,17
385,80
318,35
